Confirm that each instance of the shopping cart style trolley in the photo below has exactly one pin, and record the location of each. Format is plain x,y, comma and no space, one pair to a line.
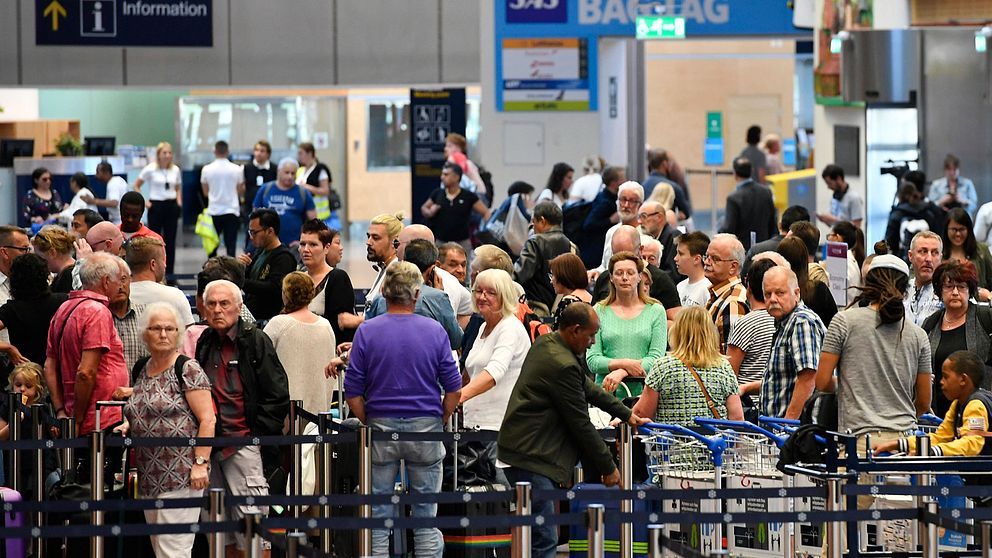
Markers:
682,459
749,462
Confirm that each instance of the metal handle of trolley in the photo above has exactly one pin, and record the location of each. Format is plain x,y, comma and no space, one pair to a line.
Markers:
713,425
715,445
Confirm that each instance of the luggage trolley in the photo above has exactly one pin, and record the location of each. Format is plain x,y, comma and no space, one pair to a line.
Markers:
749,462
682,459
807,538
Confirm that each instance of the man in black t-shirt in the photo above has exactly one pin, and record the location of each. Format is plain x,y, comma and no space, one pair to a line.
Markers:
447,211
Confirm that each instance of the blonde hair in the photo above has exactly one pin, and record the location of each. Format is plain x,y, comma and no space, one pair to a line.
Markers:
158,151
34,376
392,222
626,257
53,237
489,256
664,194
502,283
694,339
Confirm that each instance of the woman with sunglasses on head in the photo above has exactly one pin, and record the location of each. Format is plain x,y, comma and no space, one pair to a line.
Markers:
42,202
165,182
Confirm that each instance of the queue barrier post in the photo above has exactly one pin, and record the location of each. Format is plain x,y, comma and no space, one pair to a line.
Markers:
835,503
325,462
293,543
38,431
96,487
625,451
520,535
216,540
654,540
295,429
928,531
597,533
67,456
14,434
253,542
365,486
986,539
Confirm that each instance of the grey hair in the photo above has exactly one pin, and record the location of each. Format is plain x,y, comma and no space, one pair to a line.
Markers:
633,186
927,234
789,274
779,259
401,283
736,249
647,240
235,291
159,307
98,265
288,162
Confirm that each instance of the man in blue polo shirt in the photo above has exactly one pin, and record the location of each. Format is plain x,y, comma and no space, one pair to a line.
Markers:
292,202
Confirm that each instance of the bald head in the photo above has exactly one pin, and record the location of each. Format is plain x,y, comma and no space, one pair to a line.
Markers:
626,239
412,232
105,237
652,217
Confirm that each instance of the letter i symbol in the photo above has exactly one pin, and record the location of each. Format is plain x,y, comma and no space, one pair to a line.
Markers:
98,17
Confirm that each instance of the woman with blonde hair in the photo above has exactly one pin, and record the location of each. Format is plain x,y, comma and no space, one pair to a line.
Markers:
633,329
694,379
55,244
304,343
772,146
165,195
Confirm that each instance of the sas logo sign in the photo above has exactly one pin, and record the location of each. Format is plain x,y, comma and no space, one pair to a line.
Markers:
536,11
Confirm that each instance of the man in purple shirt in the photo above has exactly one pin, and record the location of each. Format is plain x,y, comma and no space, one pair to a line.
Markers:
398,366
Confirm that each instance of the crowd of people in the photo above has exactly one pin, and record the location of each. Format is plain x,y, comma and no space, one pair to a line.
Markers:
614,301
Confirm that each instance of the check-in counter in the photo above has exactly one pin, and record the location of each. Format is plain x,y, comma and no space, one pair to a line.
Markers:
62,168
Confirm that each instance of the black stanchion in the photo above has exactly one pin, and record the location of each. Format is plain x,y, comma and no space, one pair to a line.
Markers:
597,533
365,486
294,542
253,541
96,488
14,434
520,536
38,431
296,476
324,462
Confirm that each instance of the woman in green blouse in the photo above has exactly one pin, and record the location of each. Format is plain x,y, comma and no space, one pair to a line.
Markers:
633,331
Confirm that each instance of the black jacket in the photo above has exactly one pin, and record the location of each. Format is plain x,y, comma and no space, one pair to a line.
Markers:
263,285
662,288
266,386
770,245
595,226
667,238
751,207
915,216
532,269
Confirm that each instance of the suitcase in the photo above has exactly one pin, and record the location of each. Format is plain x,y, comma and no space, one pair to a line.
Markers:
578,539
476,542
12,547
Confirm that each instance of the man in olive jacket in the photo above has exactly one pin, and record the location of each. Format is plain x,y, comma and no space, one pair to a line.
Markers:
546,429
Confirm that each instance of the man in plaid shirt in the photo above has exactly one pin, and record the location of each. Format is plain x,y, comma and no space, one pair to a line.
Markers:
722,265
789,378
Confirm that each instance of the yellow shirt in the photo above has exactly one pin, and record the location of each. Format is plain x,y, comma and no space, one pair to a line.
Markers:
967,441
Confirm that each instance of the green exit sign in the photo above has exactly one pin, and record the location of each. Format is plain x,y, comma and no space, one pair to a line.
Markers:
660,27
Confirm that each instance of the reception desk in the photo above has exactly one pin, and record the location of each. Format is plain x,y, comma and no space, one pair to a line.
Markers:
62,168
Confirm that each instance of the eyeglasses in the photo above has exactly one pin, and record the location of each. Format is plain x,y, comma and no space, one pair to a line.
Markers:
958,287
715,259
169,330
21,249
629,201
484,293
253,232
643,216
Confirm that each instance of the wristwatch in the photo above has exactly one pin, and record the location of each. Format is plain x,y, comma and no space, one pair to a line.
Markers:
199,460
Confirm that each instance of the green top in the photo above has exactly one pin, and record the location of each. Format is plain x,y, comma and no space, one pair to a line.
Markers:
680,400
644,337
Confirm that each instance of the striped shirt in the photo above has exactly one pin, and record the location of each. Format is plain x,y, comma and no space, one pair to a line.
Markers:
131,335
727,305
753,335
795,347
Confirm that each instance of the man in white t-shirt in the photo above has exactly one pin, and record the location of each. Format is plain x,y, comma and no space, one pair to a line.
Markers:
690,248
458,295
116,187
220,181
146,258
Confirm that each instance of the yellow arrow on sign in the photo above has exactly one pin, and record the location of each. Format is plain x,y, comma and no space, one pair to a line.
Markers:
55,10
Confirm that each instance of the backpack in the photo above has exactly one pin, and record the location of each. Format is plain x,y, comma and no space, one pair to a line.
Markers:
180,364
574,218
535,325
820,409
802,447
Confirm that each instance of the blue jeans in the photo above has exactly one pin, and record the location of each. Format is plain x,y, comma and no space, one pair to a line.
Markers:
423,468
543,538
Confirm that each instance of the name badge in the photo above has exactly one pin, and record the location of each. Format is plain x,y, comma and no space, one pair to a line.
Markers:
258,180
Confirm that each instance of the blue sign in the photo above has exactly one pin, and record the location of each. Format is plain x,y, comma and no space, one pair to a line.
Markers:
436,113
536,11
713,151
789,152
159,23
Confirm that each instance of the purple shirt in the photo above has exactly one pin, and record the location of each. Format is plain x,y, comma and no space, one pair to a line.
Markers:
400,363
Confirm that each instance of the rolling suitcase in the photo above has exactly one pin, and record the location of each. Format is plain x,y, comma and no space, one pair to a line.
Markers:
475,542
578,539
12,547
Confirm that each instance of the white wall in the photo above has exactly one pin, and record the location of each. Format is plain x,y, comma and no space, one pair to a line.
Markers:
19,104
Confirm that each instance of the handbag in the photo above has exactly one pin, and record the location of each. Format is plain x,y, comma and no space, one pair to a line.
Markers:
706,394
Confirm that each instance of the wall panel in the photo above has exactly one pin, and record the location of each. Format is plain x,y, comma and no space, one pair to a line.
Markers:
383,41
273,45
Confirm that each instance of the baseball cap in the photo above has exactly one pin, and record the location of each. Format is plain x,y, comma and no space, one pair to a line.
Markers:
889,261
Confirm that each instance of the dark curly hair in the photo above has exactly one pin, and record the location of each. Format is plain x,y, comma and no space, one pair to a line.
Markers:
953,271
29,278
887,288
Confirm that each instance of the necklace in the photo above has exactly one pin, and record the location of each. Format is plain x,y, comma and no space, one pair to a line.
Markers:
948,320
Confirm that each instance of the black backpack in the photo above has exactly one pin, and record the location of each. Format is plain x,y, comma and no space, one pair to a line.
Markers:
574,218
802,447
181,361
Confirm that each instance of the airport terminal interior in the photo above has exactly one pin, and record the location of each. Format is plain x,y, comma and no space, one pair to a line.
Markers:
494,278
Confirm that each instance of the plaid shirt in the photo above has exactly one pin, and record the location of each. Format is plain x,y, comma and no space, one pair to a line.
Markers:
795,347
727,305
127,329
921,303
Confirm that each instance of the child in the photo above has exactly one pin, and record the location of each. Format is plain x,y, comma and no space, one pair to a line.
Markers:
694,289
965,428
28,380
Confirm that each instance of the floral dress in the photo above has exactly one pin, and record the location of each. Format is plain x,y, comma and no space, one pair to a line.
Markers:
36,206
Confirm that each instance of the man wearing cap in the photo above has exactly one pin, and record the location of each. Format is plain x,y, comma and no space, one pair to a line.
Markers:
925,254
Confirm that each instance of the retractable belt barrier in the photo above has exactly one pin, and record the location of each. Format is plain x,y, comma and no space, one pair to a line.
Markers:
285,532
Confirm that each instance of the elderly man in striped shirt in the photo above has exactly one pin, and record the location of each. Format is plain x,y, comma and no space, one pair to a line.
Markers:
722,265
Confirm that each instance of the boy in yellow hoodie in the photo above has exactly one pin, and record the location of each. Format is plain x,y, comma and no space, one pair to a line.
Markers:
965,429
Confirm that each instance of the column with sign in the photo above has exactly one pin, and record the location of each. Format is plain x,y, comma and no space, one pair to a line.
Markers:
713,148
433,114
